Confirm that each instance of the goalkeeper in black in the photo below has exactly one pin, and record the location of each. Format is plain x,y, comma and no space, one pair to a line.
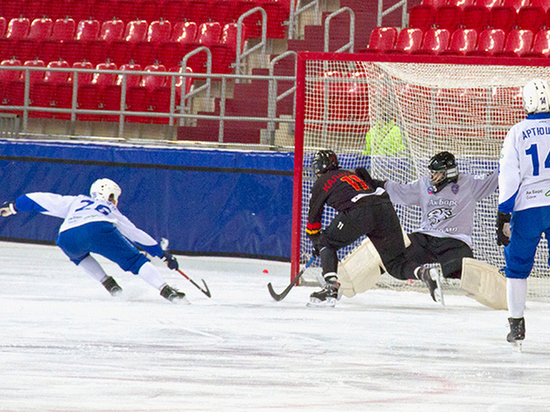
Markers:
362,210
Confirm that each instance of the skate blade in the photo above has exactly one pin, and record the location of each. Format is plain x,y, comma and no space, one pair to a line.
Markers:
438,292
317,303
517,346
180,301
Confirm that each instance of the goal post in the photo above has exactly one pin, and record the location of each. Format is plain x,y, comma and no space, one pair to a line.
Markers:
392,113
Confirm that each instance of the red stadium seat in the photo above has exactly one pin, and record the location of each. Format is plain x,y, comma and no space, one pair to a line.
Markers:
503,17
16,89
208,35
152,81
105,79
489,42
183,37
83,78
122,51
422,17
475,17
435,41
137,100
518,42
531,18
159,32
3,26
448,17
7,77
382,39
461,3
56,77
62,30
39,31
17,29
516,4
132,80
75,50
224,53
462,41
90,94
112,30
435,3
541,45
408,41
277,12
544,4
488,3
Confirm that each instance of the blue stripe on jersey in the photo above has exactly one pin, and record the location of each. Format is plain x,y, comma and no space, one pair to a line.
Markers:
508,205
26,204
536,116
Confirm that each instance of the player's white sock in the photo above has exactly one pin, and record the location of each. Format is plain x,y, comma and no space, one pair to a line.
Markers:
151,275
516,292
93,268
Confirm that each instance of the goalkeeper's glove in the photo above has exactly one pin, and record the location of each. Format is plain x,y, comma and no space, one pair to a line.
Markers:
503,228
170,260
8,209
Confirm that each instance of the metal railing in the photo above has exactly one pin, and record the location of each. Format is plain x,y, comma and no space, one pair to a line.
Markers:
9,125
178,113
350,45
297,11
383,13
242,54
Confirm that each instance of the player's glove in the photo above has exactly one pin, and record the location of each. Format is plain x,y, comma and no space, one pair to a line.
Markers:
317,246
503,228
170,260
8,209
365,175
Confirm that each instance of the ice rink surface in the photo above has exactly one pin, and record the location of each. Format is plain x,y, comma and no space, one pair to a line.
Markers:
67,345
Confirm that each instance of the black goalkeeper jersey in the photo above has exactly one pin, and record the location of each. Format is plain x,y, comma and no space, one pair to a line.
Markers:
342,190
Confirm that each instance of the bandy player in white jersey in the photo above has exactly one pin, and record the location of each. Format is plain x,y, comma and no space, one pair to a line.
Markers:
447,201
93,224
524,199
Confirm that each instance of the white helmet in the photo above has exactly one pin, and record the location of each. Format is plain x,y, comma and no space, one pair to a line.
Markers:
536,96
105,189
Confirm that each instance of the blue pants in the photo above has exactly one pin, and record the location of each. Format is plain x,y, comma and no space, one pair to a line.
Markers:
527,228
104,239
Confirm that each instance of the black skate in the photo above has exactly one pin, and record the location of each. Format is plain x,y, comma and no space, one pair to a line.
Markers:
517,331
111,286
431,274
173,295
326,296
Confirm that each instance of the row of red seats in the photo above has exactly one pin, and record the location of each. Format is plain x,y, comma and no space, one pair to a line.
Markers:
96,91
138,41
451,17
490,42
517,4
223,11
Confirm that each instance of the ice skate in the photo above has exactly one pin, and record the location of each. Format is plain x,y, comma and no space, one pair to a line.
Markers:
112,287
326,296
517,332
173,295
431,275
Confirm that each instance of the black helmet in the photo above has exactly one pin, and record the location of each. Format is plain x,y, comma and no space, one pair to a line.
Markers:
444,170
323,161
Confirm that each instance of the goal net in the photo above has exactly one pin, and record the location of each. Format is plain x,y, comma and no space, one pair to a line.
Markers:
392,117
